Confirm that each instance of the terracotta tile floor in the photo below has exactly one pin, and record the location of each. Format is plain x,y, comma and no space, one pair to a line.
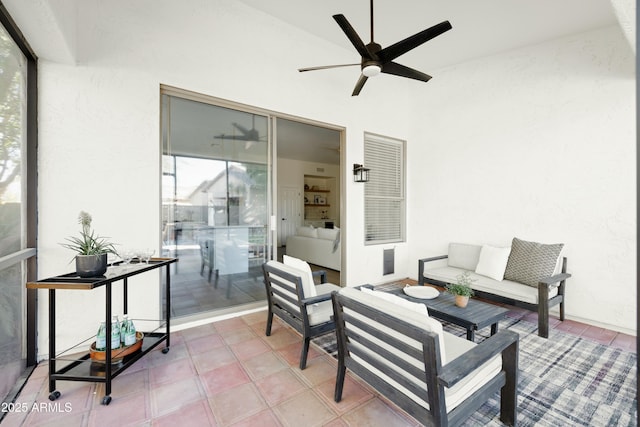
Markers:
229,373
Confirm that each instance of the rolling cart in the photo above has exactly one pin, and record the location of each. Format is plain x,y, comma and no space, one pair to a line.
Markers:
82,367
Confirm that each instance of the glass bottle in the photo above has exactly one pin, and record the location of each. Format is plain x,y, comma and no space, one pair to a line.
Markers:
115,333
101,337
130,333
123,328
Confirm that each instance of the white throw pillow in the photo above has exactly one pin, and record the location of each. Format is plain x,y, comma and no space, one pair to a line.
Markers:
307,232
308,285
493,261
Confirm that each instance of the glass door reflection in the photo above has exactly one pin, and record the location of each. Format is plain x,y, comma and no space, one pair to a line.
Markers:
215,205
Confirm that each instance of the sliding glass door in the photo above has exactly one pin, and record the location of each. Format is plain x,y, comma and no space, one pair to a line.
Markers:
215,209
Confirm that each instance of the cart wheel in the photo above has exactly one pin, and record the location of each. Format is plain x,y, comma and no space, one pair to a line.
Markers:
54,395
106,400
165,350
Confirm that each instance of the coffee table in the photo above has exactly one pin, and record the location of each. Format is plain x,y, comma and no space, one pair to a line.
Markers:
475,316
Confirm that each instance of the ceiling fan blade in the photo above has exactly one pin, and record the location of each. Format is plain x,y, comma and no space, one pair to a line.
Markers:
325,67
241,128
355,39
361,81
402,71
232,137
395,50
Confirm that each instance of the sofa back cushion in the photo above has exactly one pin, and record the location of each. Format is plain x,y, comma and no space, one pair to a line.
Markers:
464,256
531,261
307,231
284,286
308,285
413,317
327,233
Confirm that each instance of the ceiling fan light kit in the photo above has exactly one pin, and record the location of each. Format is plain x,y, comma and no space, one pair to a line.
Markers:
376,60
371,70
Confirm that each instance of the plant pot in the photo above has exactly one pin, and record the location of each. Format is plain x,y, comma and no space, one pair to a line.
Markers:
462,301
91,265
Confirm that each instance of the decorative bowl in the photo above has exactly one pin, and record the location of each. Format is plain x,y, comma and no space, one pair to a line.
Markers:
422,292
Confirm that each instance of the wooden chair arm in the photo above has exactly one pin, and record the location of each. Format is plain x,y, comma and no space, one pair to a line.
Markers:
322,274
463,365
554,279
435,258
316,299
421,262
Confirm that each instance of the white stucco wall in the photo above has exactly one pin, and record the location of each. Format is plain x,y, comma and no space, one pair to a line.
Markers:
99,125
538,144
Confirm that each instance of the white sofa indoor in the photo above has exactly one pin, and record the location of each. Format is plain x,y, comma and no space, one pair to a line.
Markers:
319,246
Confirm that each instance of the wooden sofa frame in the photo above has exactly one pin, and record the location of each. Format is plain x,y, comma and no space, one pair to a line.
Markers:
543,293
437,376
298,319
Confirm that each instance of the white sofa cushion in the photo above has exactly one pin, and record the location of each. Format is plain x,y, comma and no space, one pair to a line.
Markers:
505,288
315,251
327,233
307,231
451,347
493,261
462,255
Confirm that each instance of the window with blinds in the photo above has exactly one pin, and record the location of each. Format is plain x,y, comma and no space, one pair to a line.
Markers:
384,194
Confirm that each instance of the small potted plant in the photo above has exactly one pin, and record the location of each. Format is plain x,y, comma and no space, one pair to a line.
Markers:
91,249
461,289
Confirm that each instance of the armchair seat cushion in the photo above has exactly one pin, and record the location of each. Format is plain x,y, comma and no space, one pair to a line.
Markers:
321,313
505,288
455,347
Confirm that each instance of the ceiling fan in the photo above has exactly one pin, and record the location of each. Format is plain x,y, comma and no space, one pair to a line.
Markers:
376,60
245,134
250,136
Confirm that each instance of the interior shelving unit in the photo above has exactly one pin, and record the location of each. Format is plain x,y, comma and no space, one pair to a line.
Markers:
319,200
73,365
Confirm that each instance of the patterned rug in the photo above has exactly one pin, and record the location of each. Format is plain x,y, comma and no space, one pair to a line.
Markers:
564,380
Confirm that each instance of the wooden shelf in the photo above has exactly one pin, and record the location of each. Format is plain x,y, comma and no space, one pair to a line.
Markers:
317,206
317,191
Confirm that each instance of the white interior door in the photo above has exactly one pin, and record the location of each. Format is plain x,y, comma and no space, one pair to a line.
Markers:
289,212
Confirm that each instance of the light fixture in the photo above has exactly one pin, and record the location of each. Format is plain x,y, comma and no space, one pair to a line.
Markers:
360,173
371,70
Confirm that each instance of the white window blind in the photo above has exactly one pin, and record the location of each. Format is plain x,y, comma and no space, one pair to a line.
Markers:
384,206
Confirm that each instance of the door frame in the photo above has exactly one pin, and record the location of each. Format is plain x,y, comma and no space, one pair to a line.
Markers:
272,163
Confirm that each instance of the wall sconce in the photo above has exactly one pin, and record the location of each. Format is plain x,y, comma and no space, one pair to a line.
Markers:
360,173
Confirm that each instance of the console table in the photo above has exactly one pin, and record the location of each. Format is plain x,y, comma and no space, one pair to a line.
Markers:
82,367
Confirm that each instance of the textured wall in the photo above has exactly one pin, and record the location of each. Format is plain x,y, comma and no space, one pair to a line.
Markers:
537,143
99,123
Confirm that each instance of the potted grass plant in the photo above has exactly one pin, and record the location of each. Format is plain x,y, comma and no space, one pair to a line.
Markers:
461,289
91,249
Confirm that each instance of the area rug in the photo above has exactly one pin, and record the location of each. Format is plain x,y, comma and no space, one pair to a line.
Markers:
564,380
